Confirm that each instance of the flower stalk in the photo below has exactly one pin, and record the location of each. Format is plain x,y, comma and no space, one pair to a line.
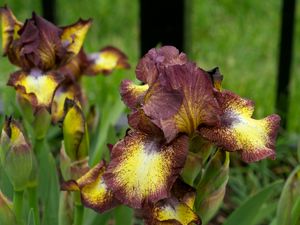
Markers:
18,205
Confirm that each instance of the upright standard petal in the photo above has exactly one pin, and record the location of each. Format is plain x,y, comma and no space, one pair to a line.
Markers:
95,194
10,27
36,87
39,44
147,70
198,105
143,169
73,36
255,139
106,60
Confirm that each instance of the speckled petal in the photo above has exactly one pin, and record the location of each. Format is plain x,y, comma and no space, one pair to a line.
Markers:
254,139
106,60
142,169
36,87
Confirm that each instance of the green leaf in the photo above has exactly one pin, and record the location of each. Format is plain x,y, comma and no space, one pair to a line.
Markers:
247,213
212,186
30,220
289,194
111,112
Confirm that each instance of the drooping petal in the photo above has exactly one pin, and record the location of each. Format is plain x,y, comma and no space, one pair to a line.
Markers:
10,27
147,70
239,132
132,94
106,60
172,211
143,169
36,87
75,131
95,194
73,36
198,103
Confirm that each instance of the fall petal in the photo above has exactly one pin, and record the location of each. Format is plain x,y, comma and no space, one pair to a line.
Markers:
143,170
255,139
94,192
132,94
36,87
106,60
10,27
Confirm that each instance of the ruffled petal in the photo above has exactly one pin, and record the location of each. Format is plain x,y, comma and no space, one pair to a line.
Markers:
73,36
36,87
106,60
132,94
255,139
142,169
94,192
148,67
10,27
198,105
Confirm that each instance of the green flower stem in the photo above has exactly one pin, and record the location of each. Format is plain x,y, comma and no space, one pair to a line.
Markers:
33,203
18,205
78,214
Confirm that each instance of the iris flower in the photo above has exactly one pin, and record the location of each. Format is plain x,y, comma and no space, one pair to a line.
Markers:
39,47
176,102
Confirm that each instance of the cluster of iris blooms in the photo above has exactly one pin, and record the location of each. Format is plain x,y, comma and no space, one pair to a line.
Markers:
176,104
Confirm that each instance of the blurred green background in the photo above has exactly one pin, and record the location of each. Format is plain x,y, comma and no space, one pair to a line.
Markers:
241,37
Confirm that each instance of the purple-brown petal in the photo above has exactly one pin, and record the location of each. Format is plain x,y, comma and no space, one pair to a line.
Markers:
254,139
147,70
181,100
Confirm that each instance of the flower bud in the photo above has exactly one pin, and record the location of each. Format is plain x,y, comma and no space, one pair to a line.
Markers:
7,216
75,132
15,154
